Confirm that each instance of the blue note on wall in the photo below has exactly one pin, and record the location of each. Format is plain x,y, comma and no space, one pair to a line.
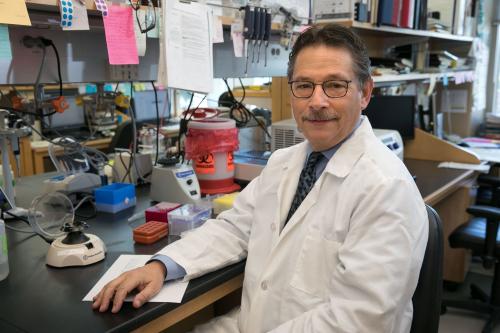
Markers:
5,50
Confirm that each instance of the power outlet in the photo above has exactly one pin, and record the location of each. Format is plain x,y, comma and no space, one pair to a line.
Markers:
124,72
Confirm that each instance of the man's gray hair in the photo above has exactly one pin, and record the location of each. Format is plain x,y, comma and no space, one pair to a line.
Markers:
334,35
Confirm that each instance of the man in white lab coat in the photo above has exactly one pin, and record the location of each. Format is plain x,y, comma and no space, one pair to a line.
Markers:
334,229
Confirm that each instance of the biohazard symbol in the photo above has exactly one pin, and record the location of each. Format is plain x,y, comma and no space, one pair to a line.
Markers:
205,164
230,161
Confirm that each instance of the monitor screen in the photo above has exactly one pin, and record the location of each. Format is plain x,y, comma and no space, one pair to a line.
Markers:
393,112
5,204
145,105
72,117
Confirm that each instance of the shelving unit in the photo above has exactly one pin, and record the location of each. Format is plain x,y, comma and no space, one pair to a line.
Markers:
379,40
415,77
53,3
364,28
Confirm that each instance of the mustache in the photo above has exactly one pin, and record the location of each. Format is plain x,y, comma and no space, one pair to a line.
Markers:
319,116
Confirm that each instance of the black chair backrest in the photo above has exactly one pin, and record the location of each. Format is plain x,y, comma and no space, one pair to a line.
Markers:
427,296
123,136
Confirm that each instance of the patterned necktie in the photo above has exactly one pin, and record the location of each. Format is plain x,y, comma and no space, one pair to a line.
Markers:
306,182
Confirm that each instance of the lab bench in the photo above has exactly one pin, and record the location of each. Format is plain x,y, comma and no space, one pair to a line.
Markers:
38,298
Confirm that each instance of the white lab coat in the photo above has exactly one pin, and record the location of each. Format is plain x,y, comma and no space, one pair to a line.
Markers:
348,260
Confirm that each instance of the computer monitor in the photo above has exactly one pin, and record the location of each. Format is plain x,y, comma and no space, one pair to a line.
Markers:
145,106
72,118
393,112
5,204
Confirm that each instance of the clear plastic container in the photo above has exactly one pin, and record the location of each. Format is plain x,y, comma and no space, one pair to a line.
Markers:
187,217
4,260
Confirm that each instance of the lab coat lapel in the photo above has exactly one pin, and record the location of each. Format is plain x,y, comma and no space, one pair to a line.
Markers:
339,166
289,181
350,151
304,207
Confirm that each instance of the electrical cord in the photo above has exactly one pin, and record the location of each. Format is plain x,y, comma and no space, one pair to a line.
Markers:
239,112
133,161
20,230
124,166
34,230
20,219
37,80
58,67
183,129
134,133
157,123
43,43
86,198
70,146
9,108
186,121
89,198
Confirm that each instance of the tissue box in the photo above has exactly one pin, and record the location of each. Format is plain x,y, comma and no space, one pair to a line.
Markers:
115,197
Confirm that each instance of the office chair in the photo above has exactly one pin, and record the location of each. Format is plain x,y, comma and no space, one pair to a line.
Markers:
123,136
488,192
480,235
427,297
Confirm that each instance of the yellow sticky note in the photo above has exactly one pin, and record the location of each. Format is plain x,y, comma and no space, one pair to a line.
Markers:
14,12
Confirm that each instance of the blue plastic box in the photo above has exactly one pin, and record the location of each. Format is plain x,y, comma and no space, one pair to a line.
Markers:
115,197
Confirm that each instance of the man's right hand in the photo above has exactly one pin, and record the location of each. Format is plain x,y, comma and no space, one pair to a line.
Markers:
148,280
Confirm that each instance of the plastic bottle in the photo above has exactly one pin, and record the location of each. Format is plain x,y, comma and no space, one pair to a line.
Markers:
4,260
102,175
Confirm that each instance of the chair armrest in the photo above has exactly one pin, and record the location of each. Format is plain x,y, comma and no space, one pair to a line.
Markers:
488,212
492,215
493,181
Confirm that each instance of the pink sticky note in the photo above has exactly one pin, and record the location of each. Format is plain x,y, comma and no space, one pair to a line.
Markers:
120,36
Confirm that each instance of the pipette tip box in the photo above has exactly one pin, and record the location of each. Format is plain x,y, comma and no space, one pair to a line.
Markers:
115,197
187,217
150,232
159,212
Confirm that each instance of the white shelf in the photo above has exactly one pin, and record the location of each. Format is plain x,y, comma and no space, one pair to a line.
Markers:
411,32
419,76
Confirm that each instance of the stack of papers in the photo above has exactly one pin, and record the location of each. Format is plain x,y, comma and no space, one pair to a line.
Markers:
172,291
465,166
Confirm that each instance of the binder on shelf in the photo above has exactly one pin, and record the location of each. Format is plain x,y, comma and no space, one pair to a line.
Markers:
396,13
361,11
385,10
373,11
470,18
416,14
459,17
422,15
407,13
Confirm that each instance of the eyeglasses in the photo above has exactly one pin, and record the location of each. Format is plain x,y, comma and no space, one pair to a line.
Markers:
149,18
331,88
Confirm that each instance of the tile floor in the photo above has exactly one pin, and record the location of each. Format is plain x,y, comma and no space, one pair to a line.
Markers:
462,321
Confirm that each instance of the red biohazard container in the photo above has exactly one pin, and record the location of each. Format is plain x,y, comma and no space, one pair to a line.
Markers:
210,144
